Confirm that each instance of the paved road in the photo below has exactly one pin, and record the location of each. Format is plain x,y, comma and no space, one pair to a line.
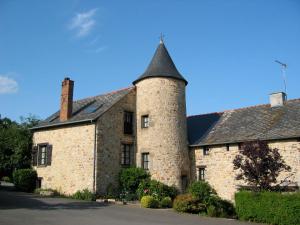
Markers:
18,208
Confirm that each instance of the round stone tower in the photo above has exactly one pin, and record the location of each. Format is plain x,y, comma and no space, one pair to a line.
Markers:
162,145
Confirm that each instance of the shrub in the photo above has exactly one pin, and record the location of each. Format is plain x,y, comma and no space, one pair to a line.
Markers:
268,207
201,190
156,189
6,179
111,191
25,179
85,194
217,207
188,203
130,178
166,202
148,201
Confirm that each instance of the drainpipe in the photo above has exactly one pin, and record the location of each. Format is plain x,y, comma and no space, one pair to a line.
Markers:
95,158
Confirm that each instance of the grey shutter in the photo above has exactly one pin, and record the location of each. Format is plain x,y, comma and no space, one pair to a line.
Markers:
49,155
34,155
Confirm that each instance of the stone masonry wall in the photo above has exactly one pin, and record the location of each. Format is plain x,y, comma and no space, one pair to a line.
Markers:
72,158
163,100
219,167
110,137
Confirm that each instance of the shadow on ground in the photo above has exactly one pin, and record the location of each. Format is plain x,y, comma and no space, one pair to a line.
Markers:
11,199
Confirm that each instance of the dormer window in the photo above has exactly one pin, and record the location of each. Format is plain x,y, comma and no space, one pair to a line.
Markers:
145,121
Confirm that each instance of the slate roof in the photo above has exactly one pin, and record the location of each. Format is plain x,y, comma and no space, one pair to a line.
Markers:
161,65
88,109
233,126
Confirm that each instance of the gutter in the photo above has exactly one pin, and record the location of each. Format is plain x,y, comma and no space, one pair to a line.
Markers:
240,141
62,124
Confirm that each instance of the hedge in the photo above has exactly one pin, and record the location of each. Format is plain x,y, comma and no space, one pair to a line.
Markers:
148,201
188,204
268,207
157,189
129,180
25,179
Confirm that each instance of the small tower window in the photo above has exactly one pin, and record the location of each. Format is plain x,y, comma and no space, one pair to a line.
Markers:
145,121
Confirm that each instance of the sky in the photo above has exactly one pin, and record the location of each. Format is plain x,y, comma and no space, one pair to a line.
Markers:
225,49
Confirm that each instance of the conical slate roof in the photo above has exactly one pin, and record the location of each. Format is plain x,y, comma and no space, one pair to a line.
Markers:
161,65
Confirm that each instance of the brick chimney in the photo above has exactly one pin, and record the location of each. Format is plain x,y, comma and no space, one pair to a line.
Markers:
66,103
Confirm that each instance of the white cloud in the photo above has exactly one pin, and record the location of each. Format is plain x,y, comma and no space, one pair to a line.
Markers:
8,85
83,23
97,50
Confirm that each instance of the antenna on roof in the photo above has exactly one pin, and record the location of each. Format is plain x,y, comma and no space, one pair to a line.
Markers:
283,71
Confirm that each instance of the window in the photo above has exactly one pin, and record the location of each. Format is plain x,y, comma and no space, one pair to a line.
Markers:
128,122
145,161
145,121
240,146
42,155
201,173
126,156
205,150
227,147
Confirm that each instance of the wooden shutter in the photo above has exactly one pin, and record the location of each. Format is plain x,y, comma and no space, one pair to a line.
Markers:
39,154
49,155
34,157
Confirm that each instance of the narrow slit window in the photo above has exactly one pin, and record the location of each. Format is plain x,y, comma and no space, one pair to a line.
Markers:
145,121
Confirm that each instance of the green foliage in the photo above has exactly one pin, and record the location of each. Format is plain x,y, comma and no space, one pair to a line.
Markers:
201,190
268,207
6,179
189,204
85,194
130,178
218,207
15,144
25,179
148,201
111,191
156,189
166,202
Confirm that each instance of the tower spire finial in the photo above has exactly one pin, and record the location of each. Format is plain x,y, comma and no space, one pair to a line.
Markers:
161,38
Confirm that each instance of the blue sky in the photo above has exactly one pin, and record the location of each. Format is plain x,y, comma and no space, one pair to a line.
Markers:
225,49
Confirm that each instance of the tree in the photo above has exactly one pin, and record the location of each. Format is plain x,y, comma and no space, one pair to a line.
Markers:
259,165
15,144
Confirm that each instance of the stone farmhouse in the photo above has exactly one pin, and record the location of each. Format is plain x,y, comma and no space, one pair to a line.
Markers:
88,141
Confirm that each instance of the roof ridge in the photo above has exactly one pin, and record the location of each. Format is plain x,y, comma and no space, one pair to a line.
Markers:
242,108
107,93
204,114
